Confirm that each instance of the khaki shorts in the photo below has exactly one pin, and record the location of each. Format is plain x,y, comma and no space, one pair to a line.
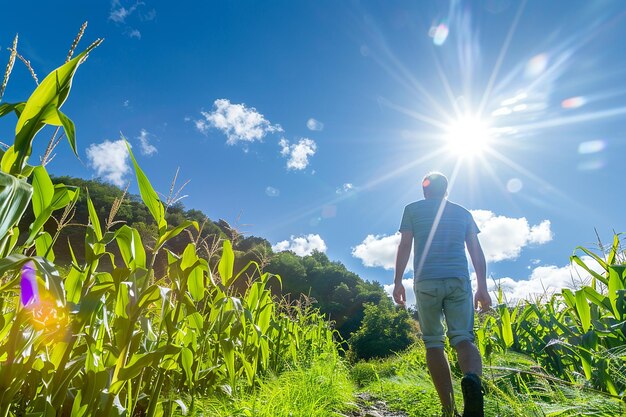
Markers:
449,298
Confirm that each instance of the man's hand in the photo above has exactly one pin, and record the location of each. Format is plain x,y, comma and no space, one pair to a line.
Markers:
399,295
482,300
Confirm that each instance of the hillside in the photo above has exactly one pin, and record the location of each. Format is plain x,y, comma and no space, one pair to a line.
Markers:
338,293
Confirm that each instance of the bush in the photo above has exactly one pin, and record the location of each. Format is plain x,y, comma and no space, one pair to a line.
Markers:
384,330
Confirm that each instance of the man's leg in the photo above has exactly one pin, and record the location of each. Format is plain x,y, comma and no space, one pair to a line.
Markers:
429,302
459,312
439,369
470,361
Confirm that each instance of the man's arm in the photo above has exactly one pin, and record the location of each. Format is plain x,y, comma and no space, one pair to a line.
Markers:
402,258
481,297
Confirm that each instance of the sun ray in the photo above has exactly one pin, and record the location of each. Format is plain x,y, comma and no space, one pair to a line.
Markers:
316,207
570,120
565,200
446,84
503,51
412,113
399,72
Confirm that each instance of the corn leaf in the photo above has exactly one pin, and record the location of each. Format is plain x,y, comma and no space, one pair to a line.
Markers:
43,246
43,190
15,194
616,284
70,130
42,108
583,310
195,284
131,247
186,357
148,195
227,263
93,218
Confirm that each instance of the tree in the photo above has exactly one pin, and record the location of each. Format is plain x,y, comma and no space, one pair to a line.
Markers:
384,330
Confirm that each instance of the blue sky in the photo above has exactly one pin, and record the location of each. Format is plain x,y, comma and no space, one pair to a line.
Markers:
311,123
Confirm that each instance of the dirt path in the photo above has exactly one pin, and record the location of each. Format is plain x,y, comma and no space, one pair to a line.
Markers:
371,407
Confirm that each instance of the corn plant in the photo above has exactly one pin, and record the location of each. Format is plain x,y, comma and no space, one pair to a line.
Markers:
119,340
577,334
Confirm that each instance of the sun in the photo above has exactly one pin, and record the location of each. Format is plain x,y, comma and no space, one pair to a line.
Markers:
468,136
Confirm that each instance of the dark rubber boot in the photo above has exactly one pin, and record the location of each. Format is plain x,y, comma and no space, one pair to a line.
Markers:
473,404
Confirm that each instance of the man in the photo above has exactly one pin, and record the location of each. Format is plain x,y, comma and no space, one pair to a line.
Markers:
440,231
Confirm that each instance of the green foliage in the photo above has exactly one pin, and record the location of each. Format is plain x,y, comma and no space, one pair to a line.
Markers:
318,389
575,334
15,194
110,337
339,293
43,107
515,387
385,330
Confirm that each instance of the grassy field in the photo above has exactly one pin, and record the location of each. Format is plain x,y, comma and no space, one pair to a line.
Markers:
516,387
400,386
321,388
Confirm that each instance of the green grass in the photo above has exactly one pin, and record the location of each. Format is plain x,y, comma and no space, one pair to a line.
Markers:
516,388
320,389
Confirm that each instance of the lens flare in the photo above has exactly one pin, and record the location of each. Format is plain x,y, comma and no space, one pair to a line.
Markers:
592,146
502,111
518,97
537,65
573,102
514,185
329,211
592,165
29,290
439,34
45,313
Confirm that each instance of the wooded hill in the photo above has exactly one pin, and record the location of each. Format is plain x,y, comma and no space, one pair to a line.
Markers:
328,285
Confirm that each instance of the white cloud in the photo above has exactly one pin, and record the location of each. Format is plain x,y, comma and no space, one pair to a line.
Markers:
148,16
380,251
237,122
146,147
313,124
302,245
345,188
501,238
110,160
299,153
134,33
284,146
408,289
271,191
504,237
543,281
119,13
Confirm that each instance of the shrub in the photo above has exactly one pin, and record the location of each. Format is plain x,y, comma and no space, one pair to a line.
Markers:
385,330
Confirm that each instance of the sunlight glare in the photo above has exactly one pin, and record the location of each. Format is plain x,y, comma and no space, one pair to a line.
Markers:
468,136
592,146
573,102
439,33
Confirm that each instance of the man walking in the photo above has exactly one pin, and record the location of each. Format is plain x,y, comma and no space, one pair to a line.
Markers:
440,231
